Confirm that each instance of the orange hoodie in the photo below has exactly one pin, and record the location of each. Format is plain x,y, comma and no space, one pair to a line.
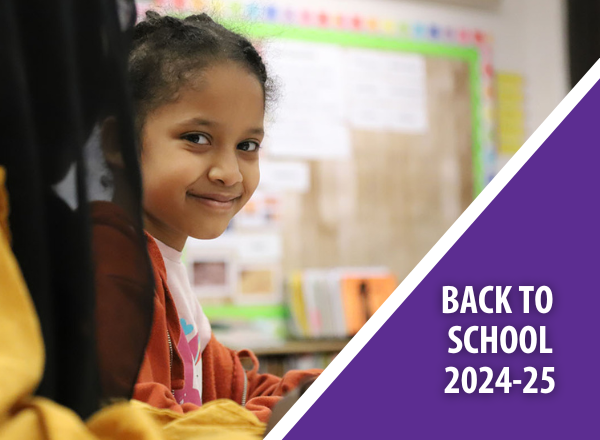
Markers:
223,376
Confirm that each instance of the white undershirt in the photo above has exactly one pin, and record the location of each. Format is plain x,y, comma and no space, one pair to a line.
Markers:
194,324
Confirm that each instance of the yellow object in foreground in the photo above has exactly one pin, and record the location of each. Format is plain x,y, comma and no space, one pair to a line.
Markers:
210,419
23,416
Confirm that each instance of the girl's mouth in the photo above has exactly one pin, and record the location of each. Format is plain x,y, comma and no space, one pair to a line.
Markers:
215,201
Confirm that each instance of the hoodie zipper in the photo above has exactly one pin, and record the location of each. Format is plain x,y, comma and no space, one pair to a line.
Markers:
245,394
170,359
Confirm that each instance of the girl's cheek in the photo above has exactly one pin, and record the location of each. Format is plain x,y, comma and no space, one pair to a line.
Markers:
255,174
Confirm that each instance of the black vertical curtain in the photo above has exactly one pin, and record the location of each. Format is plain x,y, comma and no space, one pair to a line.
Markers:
584,36
68,145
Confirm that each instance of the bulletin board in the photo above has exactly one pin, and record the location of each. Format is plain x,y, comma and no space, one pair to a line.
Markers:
394,197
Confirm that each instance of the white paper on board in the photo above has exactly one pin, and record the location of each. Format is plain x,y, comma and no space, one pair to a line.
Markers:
309,140
253,247
259,247
386,91
311,110
309,76
284,176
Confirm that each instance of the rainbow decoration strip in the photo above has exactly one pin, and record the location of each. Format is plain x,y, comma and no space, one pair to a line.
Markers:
419,31
254,11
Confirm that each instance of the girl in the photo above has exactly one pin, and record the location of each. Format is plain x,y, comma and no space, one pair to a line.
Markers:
200,92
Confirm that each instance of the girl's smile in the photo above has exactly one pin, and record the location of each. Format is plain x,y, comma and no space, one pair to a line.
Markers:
222,202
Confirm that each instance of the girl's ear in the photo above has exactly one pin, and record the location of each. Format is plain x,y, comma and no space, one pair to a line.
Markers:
111,146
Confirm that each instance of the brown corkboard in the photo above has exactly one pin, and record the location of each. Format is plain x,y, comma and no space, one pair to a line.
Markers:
398,194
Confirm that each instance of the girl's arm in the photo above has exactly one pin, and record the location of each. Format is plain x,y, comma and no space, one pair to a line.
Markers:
224,377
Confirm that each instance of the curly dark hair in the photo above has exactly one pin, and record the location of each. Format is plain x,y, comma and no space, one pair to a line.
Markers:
167,51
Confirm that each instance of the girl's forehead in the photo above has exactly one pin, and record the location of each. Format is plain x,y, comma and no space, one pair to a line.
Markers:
226,81
222,72
222,94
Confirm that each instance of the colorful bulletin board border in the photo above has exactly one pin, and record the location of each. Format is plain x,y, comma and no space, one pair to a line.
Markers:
471,45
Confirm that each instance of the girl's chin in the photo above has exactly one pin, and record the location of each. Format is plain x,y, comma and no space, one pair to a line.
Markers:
208,234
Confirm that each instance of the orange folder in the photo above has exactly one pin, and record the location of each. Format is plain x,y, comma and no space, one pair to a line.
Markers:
362,296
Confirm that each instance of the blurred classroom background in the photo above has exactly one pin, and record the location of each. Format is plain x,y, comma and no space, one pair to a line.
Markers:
391,117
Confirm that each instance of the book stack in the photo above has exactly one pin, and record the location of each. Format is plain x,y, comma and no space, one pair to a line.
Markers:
335,303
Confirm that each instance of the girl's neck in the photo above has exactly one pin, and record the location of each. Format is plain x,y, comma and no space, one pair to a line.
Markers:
159,231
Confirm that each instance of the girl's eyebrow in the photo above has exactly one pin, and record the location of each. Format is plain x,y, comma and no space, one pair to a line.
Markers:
259,131
199,121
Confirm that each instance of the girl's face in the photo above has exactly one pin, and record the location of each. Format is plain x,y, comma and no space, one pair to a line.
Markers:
200,155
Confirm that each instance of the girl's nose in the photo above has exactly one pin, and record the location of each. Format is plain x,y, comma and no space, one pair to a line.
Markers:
225,169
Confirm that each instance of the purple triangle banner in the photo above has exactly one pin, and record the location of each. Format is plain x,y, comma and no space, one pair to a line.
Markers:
465,356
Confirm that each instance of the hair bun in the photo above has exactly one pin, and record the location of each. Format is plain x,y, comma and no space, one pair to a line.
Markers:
157,23
144,28
198,18
152,15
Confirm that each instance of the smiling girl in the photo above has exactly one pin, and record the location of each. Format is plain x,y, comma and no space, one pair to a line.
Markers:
200,92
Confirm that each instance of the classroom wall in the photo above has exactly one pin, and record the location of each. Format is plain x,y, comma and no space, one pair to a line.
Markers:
532,40
529,38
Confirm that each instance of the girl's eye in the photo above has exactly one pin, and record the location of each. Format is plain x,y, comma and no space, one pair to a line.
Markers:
197,138
248,146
